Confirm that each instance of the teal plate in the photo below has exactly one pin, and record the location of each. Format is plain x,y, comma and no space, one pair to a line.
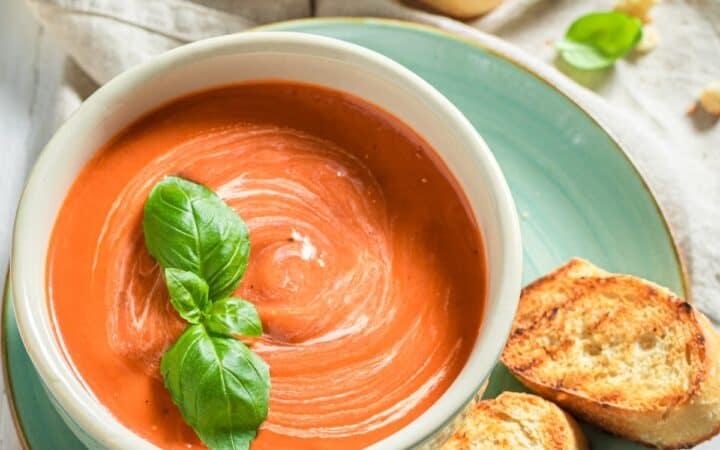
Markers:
576,192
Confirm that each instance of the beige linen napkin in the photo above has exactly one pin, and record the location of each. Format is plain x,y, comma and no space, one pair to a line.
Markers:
642,100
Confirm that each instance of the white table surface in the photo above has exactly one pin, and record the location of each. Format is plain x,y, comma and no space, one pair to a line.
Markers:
31,67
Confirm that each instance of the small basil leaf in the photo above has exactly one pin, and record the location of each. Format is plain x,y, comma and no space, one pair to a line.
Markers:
583,56
596,40
187,226
233,317
220,386
188,293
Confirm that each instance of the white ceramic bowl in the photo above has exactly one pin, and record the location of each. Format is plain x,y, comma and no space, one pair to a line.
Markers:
254,56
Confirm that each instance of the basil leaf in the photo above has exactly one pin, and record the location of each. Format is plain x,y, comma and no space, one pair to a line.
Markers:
219,385
583,56
188,293
187,226
596,40
233,317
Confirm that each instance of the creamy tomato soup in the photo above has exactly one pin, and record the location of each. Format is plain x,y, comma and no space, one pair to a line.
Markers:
366,265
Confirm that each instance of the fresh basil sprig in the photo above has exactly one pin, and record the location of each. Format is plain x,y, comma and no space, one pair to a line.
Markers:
188,293
220,386
233,317
596,40
187,226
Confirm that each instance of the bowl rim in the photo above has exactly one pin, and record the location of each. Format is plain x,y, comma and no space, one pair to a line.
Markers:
114,434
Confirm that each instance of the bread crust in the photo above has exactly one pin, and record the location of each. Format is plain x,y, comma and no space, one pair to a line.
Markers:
680,410
517,420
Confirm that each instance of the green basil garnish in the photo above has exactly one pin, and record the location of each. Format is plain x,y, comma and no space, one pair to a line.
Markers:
220,386
596,40
187,226
233,317
188,293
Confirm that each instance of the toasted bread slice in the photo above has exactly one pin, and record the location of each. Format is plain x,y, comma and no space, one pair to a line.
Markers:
619,352
517,421
552,291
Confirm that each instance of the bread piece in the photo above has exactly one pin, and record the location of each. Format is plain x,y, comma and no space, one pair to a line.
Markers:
517,421
710,98
552,291
619,352
462,9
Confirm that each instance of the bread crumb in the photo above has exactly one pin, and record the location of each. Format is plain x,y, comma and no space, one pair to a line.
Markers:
710,98
636,8
649,39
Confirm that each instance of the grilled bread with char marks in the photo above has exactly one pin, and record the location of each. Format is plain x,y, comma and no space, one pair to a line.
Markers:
517,421
619,352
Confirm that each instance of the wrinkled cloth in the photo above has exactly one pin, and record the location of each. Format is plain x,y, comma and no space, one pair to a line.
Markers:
642,100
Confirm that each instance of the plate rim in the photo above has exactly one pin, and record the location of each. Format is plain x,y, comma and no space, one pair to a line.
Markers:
7,385
549,76
492,45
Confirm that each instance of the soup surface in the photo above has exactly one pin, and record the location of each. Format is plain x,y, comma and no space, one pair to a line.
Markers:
366,265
